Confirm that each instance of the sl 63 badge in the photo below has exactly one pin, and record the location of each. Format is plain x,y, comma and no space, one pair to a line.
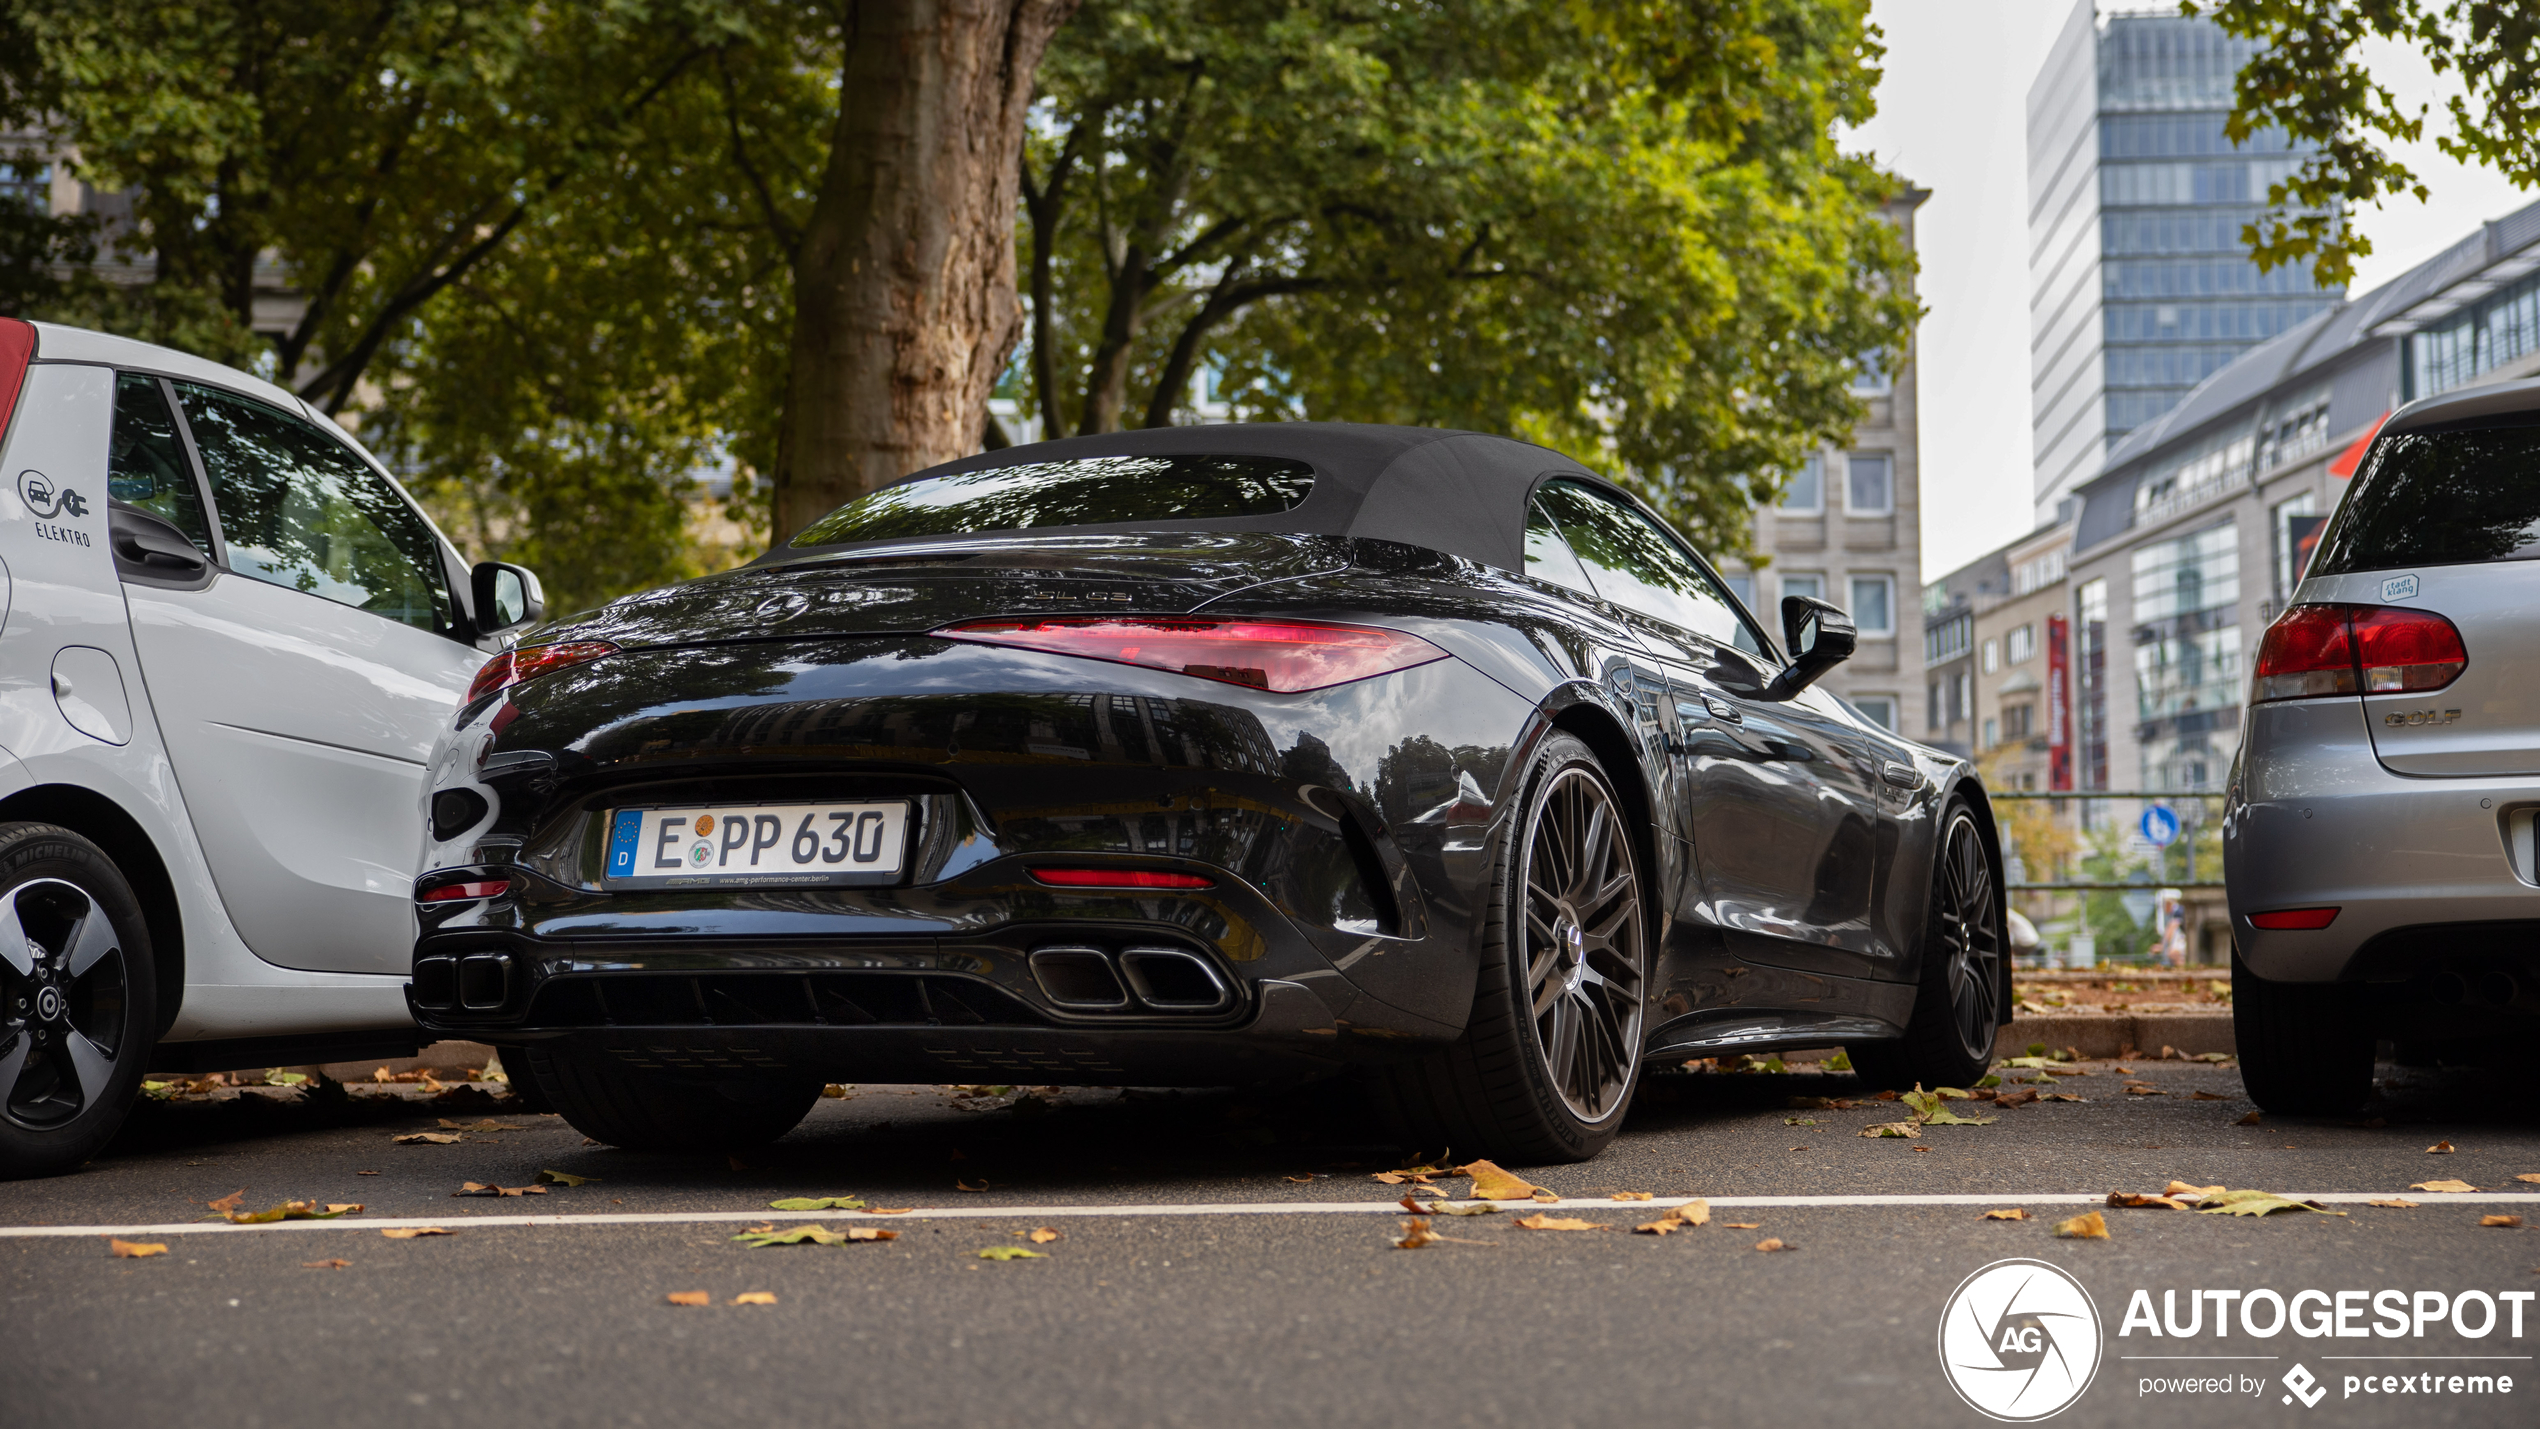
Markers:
2396,719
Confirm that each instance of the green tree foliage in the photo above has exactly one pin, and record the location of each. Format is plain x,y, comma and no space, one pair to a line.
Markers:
2312,83
1621,230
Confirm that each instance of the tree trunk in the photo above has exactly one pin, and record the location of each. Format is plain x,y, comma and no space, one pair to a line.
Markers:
904,302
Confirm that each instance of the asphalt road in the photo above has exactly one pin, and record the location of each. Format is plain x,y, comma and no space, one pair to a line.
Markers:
1195,1282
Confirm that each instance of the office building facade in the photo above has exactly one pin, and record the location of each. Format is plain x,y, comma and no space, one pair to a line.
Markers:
2141,285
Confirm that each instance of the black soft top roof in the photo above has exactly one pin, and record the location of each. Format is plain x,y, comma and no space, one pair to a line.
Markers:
1459,492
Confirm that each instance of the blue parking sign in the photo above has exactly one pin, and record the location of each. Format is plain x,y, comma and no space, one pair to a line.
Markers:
623,833
2160,826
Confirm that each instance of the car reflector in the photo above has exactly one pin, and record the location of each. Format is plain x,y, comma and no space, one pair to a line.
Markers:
1282,656
457,892
513,667
2348,649
2302,920
1119,878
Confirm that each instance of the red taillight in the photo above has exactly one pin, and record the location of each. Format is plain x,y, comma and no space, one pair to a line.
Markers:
1119,878
2350,649
458,892
17,349
2300,920
1282,656
530,661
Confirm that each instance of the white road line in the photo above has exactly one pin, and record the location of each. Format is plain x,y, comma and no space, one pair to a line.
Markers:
457,1221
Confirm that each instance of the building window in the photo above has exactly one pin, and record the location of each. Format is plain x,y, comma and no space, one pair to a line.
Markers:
1874,605
2187,666
1949,639
1806,493
1992,656
1931,707
1869,376
2021,644
2293,531
1870,491
1807,583
1879,710
2018,721
28,184
2090,670
2037,574
1992,733
1962,695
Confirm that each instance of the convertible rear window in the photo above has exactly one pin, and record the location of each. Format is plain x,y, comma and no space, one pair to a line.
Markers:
1089,491
2440,499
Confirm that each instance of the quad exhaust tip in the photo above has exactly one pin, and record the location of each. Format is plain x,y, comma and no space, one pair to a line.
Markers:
1081,978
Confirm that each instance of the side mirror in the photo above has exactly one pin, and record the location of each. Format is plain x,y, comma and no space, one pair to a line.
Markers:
1820,637
506,597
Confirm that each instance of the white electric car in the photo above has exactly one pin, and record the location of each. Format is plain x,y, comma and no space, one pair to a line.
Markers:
228,641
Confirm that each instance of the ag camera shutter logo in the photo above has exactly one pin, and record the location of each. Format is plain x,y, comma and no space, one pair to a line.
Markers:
2019,1340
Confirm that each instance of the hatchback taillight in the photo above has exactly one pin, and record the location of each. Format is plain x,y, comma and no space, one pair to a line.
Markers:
530,661
1283,656
2357,649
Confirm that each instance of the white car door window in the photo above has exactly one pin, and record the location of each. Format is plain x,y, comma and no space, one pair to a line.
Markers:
300,692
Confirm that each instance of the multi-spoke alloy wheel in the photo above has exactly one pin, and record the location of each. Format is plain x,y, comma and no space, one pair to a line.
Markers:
1585,966
1551,1052
65,994
1958,1000
77,999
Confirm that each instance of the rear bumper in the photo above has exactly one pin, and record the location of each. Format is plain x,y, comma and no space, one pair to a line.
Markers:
2421,870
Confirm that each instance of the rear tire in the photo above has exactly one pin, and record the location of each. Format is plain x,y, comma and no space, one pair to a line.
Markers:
78,999
1958,1001
609,1101
2305,1047
1549,1060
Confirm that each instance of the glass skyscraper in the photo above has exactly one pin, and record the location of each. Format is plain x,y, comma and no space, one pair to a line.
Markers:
2140,283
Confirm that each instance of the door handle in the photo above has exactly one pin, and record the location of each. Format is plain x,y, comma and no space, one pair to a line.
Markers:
1903,776
1721,709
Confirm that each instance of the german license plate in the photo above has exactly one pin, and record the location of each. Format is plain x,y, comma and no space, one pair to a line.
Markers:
757,845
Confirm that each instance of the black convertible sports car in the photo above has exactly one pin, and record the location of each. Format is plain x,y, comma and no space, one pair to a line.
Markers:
1200,756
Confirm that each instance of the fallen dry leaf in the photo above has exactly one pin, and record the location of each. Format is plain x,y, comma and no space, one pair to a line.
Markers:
1774,1243
1893,1128
2448,1187
2252,1119
410,1232
2010,1215
2207,1097
2256,1203
485,1188
2509,1223
2089,1225
485,1125
2137,1089
2394,1205
2440,1148
961,1185
230,1202
754,1297
1491,1183
816,1203
2527,1176
888,1210
1743,1225
1696,1212
427,1138
2137,1200
1415,1234
1632,1195
1454,1208
1298,1180
336,1264
133,1249
2182,1188
1667,1224
869,1233
689,1297
292,1211
2125,1071
1546,1221
2012,1099
565,1178
2057,1097
1044,1235
1009,1252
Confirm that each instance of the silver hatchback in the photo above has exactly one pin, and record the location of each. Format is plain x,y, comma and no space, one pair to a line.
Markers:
2377,834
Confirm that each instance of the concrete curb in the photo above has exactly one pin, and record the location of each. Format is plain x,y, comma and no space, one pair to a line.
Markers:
2114,1034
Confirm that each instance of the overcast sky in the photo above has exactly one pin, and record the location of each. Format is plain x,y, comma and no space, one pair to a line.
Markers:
1953,119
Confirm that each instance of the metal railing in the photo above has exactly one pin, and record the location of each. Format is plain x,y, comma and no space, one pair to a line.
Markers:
2186,829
